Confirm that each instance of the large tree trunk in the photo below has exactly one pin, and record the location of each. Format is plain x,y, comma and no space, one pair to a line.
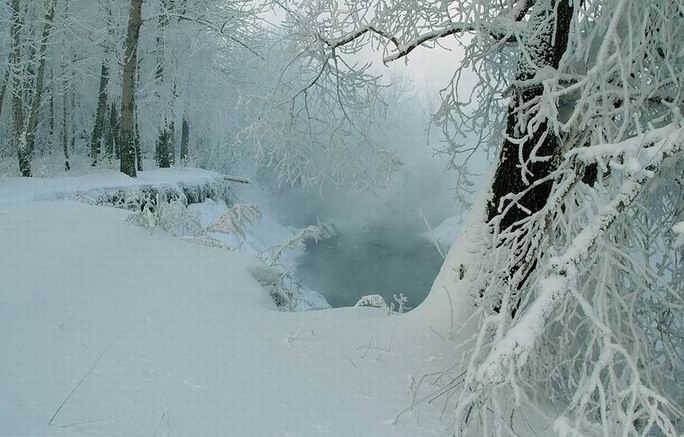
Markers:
29,142
128,92
100,112
550,25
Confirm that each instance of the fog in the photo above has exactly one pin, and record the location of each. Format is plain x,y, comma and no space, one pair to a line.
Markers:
380,246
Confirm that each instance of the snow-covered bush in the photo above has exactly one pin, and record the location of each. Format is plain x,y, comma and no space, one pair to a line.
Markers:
155,211
374,301
377,301
298,241
277,284
235,220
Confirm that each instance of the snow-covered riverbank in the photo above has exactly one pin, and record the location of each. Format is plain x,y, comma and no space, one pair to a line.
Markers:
108,328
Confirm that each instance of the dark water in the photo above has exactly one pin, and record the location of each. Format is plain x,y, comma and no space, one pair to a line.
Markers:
372,260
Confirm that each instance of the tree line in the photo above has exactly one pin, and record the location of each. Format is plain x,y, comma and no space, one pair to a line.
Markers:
117,80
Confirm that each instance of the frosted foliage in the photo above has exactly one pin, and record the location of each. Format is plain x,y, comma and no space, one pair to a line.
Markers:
375,301
279,286
236,219
156,210
320,122
298,241
621,71
599,325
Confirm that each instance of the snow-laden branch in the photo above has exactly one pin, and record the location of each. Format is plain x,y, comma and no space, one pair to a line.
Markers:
520,339
561,282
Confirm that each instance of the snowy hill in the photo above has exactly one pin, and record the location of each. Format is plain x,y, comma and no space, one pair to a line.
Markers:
107,328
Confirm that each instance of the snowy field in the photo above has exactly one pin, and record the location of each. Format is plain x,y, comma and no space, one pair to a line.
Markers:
107,328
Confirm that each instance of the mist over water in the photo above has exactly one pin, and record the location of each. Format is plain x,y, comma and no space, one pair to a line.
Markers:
379,246
377,259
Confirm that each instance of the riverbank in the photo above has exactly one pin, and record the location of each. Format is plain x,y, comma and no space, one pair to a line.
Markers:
113,329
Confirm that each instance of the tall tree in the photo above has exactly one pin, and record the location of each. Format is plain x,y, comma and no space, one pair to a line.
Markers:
27,145
98,136
128,92
165,151
17,91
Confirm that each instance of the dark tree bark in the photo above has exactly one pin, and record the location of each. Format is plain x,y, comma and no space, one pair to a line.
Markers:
128,94
112,137
185,142
65,129
3,88
100,113
163,148
550,22
550,46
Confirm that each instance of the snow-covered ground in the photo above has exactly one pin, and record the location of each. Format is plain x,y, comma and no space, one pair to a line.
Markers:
108,328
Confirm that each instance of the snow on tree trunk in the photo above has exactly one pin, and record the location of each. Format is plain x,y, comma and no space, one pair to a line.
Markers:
17,100
128,93
529,155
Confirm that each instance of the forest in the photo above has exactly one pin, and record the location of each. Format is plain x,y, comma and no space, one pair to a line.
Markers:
342,217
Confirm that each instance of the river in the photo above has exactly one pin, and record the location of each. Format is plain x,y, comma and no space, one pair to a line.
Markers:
374,259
